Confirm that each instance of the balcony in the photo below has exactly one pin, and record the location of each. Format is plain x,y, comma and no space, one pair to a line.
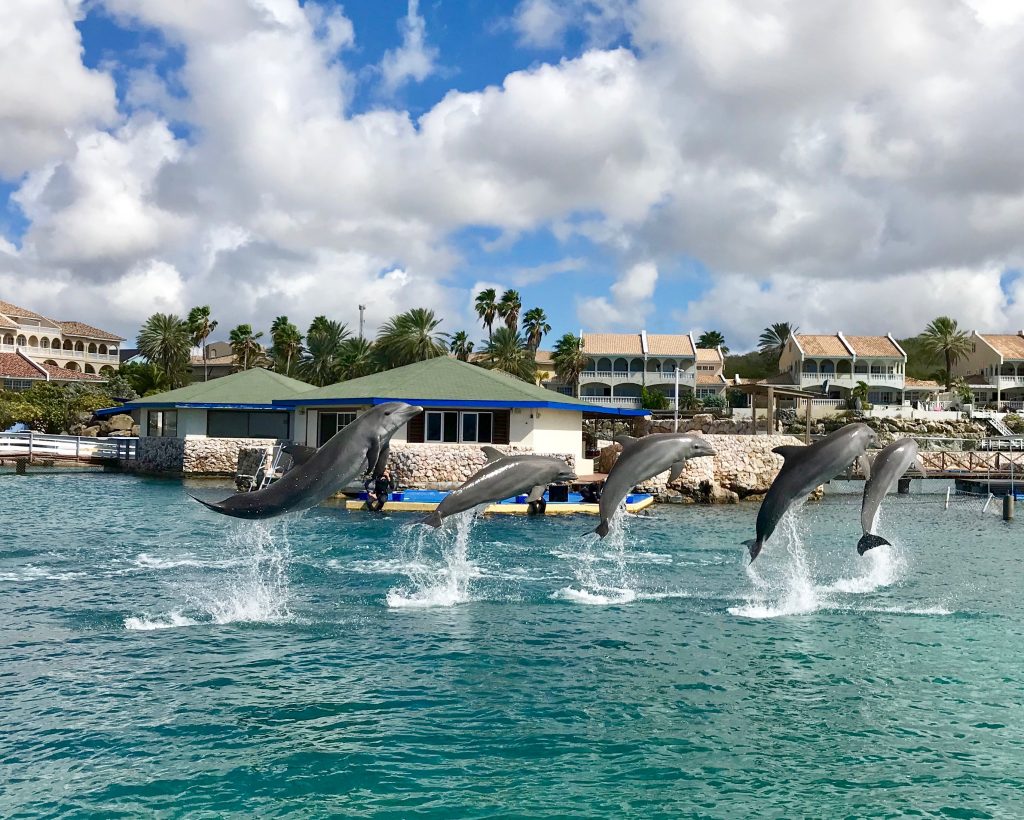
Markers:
1011,381
687,377
612,401
59,353
850,380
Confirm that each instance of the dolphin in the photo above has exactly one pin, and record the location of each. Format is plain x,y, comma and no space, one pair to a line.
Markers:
804,469
888,467
643,458
503,476
361,445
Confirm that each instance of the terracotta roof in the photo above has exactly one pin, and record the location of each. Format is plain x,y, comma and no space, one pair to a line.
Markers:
543,359
13,366
82,329
716,379
706,355
874,346
214,361
62,374
5,322
779,378
922,384
979,379
13,310
823,346
628,344
1010,346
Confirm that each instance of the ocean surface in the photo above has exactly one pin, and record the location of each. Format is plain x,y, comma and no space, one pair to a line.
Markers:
159,660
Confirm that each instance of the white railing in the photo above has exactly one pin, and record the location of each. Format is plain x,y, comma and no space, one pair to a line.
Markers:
58,352
637,377
1011,380
612,401
43,445
1013,405
828,402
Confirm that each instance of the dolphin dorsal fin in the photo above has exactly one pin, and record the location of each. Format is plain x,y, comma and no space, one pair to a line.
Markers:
787,451
491,454
625,441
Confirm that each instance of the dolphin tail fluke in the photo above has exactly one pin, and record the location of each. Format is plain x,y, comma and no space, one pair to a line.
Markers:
215,507
434,519
754,547
869,541
603,527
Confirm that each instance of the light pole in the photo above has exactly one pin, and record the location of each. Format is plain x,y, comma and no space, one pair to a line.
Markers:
675,414
362,309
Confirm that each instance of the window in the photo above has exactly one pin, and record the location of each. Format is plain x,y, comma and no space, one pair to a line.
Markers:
451,426
246,424
705,392
162,423
17,384
330,424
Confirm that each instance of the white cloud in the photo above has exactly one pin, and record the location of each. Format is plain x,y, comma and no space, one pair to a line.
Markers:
541,23
47,95
630,302
415,59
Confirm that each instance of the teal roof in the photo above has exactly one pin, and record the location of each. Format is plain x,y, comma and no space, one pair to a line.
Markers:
252,388
446,381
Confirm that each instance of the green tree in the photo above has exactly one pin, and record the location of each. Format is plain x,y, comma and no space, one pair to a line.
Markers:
461,345
487,308
165,340
569,360
710,339
246,346
200,326
356,358
144,378
773,340
321,362
507,352
943,338
509,307
410,337
535,325
653,399
713,402
287,345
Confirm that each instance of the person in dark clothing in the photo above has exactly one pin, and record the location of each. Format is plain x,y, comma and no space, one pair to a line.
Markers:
590,493
382,487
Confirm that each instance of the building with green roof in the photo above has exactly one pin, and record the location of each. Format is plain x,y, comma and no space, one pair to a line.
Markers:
463,404
241,405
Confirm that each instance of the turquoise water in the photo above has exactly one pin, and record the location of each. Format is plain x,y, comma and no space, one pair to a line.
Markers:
158,660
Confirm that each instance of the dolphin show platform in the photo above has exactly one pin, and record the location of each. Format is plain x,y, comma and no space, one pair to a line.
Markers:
427,500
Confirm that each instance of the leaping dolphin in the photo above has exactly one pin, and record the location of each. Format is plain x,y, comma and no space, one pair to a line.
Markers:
644,458
360,446
888,467
502,477
804,469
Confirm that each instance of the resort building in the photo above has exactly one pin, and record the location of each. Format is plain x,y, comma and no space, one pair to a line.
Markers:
463,404
220,361
18,372
710,376
70,345
620,365
994,368
836,363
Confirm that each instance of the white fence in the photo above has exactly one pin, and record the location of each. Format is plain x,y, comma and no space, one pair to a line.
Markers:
43,445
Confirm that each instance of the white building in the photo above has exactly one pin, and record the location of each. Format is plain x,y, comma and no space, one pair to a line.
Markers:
68,345
838,363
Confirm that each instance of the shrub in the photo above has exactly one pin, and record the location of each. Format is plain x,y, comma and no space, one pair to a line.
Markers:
1014,422
713,402
653,399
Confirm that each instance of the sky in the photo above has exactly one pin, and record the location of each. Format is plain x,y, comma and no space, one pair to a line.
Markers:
624,164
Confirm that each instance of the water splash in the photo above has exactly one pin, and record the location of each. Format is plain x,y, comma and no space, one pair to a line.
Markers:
146,624
884,567
601,567
433,582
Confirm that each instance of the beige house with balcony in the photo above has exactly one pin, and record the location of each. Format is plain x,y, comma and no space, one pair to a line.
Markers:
620,365
994,368
73,346
836,363
710,377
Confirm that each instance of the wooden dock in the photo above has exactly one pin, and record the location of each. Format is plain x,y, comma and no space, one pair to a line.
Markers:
41,449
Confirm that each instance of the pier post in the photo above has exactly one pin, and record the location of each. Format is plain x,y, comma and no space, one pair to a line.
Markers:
20,466
903,487
1008,503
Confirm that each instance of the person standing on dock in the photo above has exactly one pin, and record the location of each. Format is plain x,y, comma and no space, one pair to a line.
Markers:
382,487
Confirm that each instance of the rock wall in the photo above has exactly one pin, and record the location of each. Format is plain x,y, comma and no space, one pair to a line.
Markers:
192,456
158,455
443,466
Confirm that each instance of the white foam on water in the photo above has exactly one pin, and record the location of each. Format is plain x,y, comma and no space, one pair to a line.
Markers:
436,583
145,561
787,586
907,610
147,624
597,598
884,566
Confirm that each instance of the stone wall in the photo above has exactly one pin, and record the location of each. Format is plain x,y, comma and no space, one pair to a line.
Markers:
192,456
743,466
443,466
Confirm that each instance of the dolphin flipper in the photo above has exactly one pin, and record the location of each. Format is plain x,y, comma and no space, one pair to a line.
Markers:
869,541
536,494
864,465
492,453
299,453
372,454
921,468
382,461
625,441
787,451
216,507
753,547
677,468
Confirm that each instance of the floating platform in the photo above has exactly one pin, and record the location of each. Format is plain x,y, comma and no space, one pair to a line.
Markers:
996,486
427,501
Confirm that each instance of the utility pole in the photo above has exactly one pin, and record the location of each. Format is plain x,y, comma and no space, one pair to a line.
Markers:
675,414
362,309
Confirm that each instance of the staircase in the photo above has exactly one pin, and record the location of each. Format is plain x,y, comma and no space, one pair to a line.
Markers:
999,427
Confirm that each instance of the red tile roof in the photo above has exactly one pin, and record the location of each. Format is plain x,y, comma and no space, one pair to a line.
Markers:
709,355
12,310
874,346
1008,345
819,345
13,366
90,332
62,374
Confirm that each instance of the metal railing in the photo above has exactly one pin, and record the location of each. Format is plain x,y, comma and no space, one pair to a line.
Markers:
44,445
612,401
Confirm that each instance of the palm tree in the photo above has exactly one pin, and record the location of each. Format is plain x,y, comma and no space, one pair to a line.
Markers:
569,360
507,351
710,339
410,337
943,338
535,324
246,346
145,379
487,308
461,346
165,340
320,364
356,358
287,345
200,327
509,307
773,340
